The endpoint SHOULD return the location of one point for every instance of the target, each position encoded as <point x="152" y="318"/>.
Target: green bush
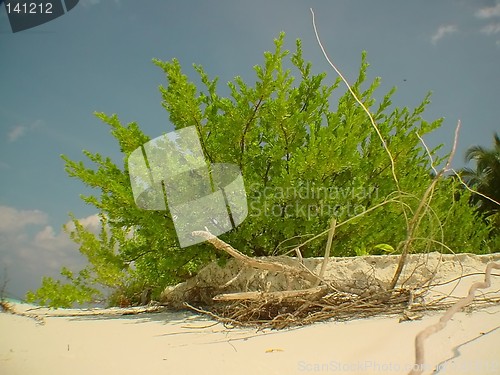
<point x="302" y="163"/>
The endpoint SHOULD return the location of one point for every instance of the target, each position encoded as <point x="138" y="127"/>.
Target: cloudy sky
<point x="97" y="57"/>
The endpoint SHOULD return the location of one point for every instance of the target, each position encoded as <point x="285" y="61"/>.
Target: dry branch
<point x="328" y="248"/>
<point x="252" y="262"/>
<point x="372" y="120"/>
<point x="419" y="340"/>
<point x="313" y="293"/>
<point x="113" y="311"/>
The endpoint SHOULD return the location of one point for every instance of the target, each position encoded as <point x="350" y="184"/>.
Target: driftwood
<point x="114" y="311"/>
<point x="39" y="313"/>
<point x="256" y="263"/>
<point x="315" y="292"/>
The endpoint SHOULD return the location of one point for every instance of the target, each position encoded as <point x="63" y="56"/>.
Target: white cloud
<point x="46" y="234"/>
<point x="92" y="222"/>
<point x="442" y="31"/>
<point x="28" y="255"/>
<point x="19" y="131"/>
<point x="489" y="12"/>
<point x="490" y="29"/>
<point x="13" y="220"/>
<point x="48" y="239"/>
<point x="16" y="132"/>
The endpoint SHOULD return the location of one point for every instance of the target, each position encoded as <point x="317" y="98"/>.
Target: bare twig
<point x="384" y="143"/>
<point x="424" y="202"/>
<point x="419" y="340"/>
<point x="327" y="250"/>
<point x="275" y="251"/>
<point x="372" y="120"/>
<point x="428" y="154"/>
<point x="388" y="200"/>
<point x="212" y="315"/>
<point x="473" y="190"/>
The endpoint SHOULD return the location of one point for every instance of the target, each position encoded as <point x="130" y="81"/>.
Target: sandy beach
<point x="63" y="342"/>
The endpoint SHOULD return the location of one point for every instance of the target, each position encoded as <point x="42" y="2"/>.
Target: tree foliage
<point x="302" y="162"/>
<point x="486" y="175"/>
<point x="485" y="179"/>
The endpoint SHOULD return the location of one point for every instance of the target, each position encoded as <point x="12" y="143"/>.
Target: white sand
<point x="183" y="343"/>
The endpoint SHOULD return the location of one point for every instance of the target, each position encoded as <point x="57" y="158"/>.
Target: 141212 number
<point x="31" y="8"/>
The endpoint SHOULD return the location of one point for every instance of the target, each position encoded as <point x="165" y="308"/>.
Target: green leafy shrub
<point x="302" y="163"/>
<point x="54" y="293"/>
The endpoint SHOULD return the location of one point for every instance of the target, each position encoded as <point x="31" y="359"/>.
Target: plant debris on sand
<point x="280" y="292"/>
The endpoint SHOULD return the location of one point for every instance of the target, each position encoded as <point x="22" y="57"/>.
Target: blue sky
<point x="98" y="56"/>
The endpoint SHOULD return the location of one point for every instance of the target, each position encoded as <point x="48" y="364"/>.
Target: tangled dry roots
<point x="283" y="312"/>
<point x="280" y="292"/>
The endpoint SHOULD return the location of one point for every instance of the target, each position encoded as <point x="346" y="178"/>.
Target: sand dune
<point x="63" y="342"/>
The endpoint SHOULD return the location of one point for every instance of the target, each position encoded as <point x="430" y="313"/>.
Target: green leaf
<point x="385" y="247"/>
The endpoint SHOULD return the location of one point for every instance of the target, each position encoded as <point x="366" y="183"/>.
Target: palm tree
<point x="485" y="178"/>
